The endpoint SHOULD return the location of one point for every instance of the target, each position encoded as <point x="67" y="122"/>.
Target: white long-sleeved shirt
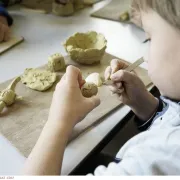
<point x="153" y="152"/>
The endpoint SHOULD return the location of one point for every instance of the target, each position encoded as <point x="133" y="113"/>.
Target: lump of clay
<point x="89" y="2"/>
<point x="124" y="16"/>
<point x="38" y="79"/>
<point x="89" y="89"/>
<point x="78" y="4"/>
<point x="8" y="95"/>
<point x="56" y="62"/>
<point x="86" y="48"/>
<point x="95" y="78"/>
<point x="63" y="9"/>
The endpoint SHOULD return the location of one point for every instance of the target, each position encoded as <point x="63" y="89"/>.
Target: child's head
<point x="161" y="22"/>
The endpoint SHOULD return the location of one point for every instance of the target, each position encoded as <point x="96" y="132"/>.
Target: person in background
<point x="6" y="20"/>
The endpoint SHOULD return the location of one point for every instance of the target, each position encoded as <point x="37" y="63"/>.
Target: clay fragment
<point x="86" y="48"/>
<point x="38" y="79"/>
<point x="56" y="62"/>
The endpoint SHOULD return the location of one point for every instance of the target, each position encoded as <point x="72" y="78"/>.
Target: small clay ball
<point x="89" y="89"/>
<point x="124" y="16"/>
<point x="56" y="62"/>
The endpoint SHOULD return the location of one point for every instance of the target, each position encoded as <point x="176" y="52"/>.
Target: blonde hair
<point x="167" y="9"/>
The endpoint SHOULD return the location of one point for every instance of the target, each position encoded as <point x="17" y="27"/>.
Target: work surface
<point x="44" y="35"/>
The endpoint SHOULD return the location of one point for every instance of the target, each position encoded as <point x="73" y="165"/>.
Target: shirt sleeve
<point x="157" y="158"/>
<point x="143" y="126"/>
<point x="3" y="12"/>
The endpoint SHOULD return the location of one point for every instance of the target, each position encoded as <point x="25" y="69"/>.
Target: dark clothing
<point x="3" y="11"/>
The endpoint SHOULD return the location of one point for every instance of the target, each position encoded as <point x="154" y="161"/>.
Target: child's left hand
<point x="68" y="105"/>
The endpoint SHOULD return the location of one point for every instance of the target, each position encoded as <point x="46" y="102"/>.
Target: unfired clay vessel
<point x="86" y="48"/>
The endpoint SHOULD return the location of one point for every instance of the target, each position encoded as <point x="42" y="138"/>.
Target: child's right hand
<point x="4" y="29"/>
<point x="131" y="90"/>
<point x="68" y="105"/>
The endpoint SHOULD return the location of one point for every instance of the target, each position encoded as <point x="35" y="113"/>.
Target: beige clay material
<point x="88" y="2"/>
<point x="2" y="106"/>
<point x="95" y="78"/>
<point x="56" y="63"/>
<point x="78" y="4"/>
<point x="89" y="89"/>
<point x="124" y="17"/>
<point x="63" y="10"/>
<point x="86" y="48"/>
<point x="8" y="95"/>
<point x="38" y="79"/>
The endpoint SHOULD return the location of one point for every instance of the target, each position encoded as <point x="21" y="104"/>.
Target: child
<point x="155" y="151"/>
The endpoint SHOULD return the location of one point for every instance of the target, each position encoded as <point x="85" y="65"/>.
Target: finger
<point x="134" y="72"/>
<point x="118" y="85"/>
<point x="81" y="80"/>
<point x="72" y="75"/>
<point x="6" y="34"/>
<point x="116" y="65"/>
<point x="114" y="89"/>
<point x="121" y="98"/>
<point x="63" y="78"/>
<point x="122" y="75"/>
<point x="1" y="33"/>
<point x="120" y="91"/>
<point x="93" y="102"/>
<point x="82" y="83"/>
<point x="107" y="73"/>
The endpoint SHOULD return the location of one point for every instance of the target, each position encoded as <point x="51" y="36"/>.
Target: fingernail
<point x="118" y="85"/>
<point x="114" y="77"/>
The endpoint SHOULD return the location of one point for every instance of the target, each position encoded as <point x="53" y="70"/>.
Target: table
<point x="44" y="35"/>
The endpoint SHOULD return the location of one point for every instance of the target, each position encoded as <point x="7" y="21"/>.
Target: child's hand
<point x="4" y="29"/>
<point x="126" y="84"/>
<point x="68" y="105"/>
<point x="131" y="90"/>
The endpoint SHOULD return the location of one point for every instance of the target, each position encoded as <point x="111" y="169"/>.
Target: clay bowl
<point x="86" y="48"/>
